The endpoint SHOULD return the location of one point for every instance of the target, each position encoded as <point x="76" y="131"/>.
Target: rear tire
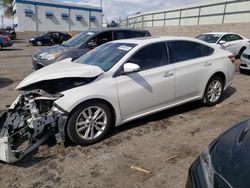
<point x="214" y="91"/>
<point x="89" y="123"/>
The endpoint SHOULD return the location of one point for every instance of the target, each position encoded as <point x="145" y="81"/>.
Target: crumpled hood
<point x="61" y="69"/>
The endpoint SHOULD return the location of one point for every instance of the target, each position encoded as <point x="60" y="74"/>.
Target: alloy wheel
<point x="91" y="122"/>
<point x="214" y="91"/>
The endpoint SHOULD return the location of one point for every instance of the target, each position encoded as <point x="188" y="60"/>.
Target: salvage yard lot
<point x="164" y="144"/>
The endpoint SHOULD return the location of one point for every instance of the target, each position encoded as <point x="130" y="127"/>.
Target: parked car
<point x="225" y="162"/>
<point x="94" y="92"/>
<point x="50" y="38"/>
<point x="232" y="42"/>
<point x="245" y="60"/>
<point x="5" y="41"/>
<point x="81" y="44"/>
<point x="10" y="33"/>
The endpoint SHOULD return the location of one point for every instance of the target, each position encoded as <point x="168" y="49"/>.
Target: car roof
<point x="148" y="40"/>
<point x="101" y="29"/>
<point x="219" y="33"/>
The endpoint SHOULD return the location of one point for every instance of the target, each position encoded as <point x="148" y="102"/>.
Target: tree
<point x="7" y="5"/>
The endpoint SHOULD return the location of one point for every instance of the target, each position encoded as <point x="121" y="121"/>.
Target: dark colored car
<point x="81" y="44"/>
<point x="225" y="163"/>
<point x="9" y="33"/>
<point x="5" y="41"/>
<point x="50" y="38"/>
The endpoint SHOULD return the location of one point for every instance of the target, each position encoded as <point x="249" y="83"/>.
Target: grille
<point x="246" y="56"/>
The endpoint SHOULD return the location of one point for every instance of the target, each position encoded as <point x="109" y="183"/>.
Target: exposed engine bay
<point x="34" y="117"/>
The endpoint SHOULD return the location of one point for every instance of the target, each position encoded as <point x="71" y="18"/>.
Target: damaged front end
<point x="30" y="120"/>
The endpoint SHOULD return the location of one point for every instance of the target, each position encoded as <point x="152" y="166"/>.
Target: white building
<point x="44" y="15"/>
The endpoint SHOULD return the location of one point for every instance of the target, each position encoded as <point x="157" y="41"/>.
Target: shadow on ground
<point x="4" y="82"/>
<point x="11" y="49"/>
<point x="245" y="72"/>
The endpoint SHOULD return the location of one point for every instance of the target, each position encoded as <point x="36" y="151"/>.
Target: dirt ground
<point x="147" y="143"/>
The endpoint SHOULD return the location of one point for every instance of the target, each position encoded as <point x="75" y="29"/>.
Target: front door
<point x="150" y="88"/>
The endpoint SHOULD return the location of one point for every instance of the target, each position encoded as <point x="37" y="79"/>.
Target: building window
<point x="28" y="12"/>
<point x="78" y="17"/>
<point x="49" y="14"/>
<point x="14" y="12"/>
<point x="65" y="16"/>
<point x="92" y="18"/>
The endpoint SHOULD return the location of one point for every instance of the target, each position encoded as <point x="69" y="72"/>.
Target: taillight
<point x="232" y="58"/>
<point x="6" y="38"/>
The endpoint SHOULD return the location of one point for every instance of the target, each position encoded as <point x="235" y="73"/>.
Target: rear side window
<point x="122" y="35"/>
<point x="137" y="34"/>
<point x="152" y="56"/>
<point x="234" y="37"/>
<point x="206" y="50"/>
<point x="184" y="50"/>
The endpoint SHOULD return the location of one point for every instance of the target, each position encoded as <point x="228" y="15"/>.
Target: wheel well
<point x="221" y="75"/>
<point x="102" y="101"/>
<point x="241" y="51"/>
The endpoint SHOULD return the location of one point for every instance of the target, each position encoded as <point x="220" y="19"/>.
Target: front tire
<point x="39" y="43"/>
<point x="214" y="91"/>
<point x="89" y="123"/>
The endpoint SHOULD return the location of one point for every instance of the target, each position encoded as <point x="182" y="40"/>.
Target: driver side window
<point x="152" y="56"/>
<point x="103" y="38"/>
<point x="225" y="38"/>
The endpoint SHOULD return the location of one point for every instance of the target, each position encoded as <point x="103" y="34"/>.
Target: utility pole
<point x="101" y="4"/>
<point x="2" y="21"/>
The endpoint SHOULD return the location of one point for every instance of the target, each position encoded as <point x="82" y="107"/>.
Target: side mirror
<point x="222" y="42"/>
<point x="130" y="68"/>
<point x="92" y="45"/>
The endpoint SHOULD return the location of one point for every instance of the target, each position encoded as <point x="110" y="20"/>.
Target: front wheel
<point x="39" y="43"/>
<point x="89" y="123"/>
<point x="214" y="91"/>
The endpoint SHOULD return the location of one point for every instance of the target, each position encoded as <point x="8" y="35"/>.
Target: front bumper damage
<point x="30" y="121"/>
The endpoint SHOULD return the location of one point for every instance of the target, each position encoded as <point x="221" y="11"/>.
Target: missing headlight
<point x="44" y="105"/>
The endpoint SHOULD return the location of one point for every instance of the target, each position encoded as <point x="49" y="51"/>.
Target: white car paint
<point x="60" y="68"/>
<point x="245" y="60"/>
<point x="232" y="46"/>
<point x="140" y="93"/>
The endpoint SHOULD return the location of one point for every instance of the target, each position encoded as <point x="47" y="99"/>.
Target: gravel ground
<point x="147" y="143"/>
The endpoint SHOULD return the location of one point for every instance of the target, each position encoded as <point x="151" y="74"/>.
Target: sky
<point x="115" y="9"/>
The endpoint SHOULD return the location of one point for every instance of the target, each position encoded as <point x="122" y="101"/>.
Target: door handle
<point x="168" y="74"/>
<point x="207" y="64"/>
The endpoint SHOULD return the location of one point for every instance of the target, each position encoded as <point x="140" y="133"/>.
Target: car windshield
<point x="79" y="39"/>
<point x="107" y="55"/>
<point x="210" y="38"/>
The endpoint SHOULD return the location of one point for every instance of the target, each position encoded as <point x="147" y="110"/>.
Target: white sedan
<point x="113" y="84"/>
<point x="245" y="60"/>
<point x="232" y="42"/>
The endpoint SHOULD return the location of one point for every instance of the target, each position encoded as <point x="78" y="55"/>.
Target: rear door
<point x="192" y="68"/>
<point x="150" y="88"/>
